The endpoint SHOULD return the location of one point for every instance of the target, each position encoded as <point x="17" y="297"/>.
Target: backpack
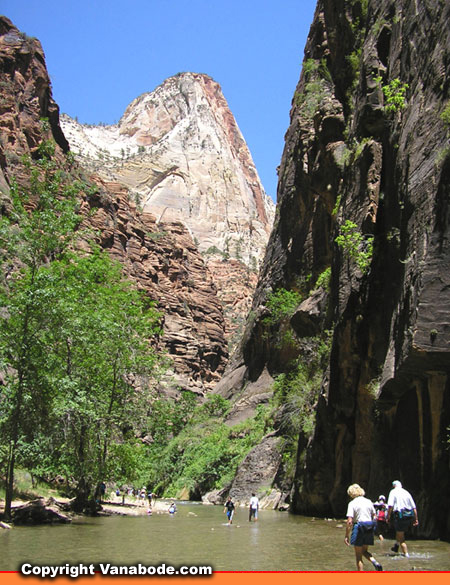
<point x="381" y="515"/>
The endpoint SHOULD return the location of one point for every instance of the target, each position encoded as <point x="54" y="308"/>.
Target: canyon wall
<point x="180" y="153"/>
<point x="361" y="236"/>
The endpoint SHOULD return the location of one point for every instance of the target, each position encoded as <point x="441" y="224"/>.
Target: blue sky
<point x="101" y="54"/>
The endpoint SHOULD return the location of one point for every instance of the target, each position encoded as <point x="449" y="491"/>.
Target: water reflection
<point x="200" y="535"/>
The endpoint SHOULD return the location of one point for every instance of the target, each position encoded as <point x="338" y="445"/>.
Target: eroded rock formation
<point x="181" y="154"/>
<point x="164" y="261"/>
<point x="25" y="100"/>
<point x="367" y="161"/>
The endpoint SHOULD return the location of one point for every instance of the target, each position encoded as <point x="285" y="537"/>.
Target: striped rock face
<point x="181" y="154"/>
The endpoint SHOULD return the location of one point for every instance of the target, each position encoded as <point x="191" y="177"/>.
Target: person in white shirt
<point x="253" y="508"/>
<point x="360" y="524"/>
<point x="402" y="506"/>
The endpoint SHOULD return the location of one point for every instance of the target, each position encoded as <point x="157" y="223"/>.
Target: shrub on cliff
<point x="282" y="304"/>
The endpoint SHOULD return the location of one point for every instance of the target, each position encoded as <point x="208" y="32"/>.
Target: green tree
<point x="282" y="304"/>
<point x="76" y="347"/>
<point x="106" y="365"/>
<point x="39" y="227"/>
<point x="394" y="94"/>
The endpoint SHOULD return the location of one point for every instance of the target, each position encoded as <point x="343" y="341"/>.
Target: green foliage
<point x="355" y="245"/>
<point x="316" y="75"/>
<point x="442" y="155"/>
<point x="205" y="453"/>
<point x="39" y="227"/>
<point x="354" y="60"/>
<point x="445" y="115"/>
<point x="101" y="349"/>
<point x="74" y="339"/>
<point x="296" y="393"/>
<point x="323" y="281"/>
<point x="282" y="304"/>
<point x="168" y="417"/>
<point x="311" y="98"/>
<point x="359" y="147"/>
<point x="337" y="205"/>
<point x="364" y="8"/>
<point x="378" y="26"/>
<point x="310" y="66"/>
<point x="394" y="94"/>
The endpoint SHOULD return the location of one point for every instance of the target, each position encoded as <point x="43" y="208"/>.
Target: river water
<point x="199" y="535"/>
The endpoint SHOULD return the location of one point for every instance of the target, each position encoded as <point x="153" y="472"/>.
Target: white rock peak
<point x="181" y="154"/>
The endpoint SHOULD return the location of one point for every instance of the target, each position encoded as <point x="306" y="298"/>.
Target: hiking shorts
<point x="402" y="523"/>
<point x="381" y="528"/>
<point x="362" y="533"/>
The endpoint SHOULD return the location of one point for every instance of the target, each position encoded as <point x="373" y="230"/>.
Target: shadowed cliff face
<point x="363" y="191"/>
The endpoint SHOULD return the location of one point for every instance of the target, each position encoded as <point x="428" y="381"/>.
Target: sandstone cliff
<point x="179" y="151"/>
<point x="361" y="236"/>
<point x="25" y="99"/>
<point x="161" y="257"/>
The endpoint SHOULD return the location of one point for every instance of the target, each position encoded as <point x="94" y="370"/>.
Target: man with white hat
<point x="402" y="505"/>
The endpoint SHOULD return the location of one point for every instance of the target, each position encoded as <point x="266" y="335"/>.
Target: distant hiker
<point x="102" y="490"/>
<point x="142" y="496"/>
<point x="382" y="523"/>
<point x="229" y="509"/>
<point x="402" y="506"/>
<point x="172" y="508"/>
<point x="253" y="508"/>
<point x="360" y="523"/>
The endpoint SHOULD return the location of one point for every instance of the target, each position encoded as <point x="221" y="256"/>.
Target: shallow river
<point x="198" y="535"/>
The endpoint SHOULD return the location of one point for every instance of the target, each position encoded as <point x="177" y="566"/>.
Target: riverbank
<point x="108" y="508"/>
<point x="130" y="508"/>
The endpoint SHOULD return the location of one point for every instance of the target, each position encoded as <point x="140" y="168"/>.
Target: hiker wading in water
<point x="403" y="508"/>
<point x="360" y="523"/>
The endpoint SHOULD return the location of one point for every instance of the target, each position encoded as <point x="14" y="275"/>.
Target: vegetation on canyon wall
<point x="202" y="454"/>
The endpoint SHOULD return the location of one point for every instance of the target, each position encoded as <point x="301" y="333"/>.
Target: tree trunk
<point x="9" y="488"/>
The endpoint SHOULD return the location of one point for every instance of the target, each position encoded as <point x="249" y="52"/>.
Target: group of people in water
<point x="365" y="519"/>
